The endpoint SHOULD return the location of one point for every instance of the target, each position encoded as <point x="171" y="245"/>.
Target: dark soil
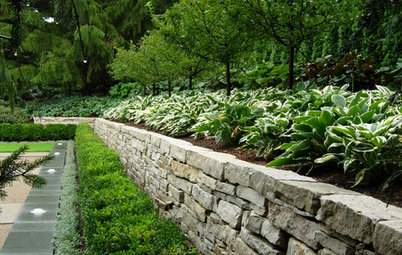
<point x="335" y="176"/>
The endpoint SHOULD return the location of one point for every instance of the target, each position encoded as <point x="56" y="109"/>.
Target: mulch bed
<point x="335" y="176"/>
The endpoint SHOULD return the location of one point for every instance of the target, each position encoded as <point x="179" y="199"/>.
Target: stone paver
<point x="32" y="230"/>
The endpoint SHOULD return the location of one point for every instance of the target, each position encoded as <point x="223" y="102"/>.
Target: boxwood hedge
<point x="117" y="217"/>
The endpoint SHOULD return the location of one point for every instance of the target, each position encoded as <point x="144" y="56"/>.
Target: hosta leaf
<point x="367" y="116"/>
<point x="301" y="146"/>
<point x="327" y="117"/>
<point x="302" y="127"/>
<point x="345" y="130"/>
<point x="326" y="158"/>
<point x="280" y="161"/>
<point x="354" y="110"/>
<point x="300" y="118"/>
<point x="338" y="100"/>
<point x="348" y="163"/>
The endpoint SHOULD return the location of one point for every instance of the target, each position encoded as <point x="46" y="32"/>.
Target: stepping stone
<point x="28" y="242"/>
<point x="28" y="213"/>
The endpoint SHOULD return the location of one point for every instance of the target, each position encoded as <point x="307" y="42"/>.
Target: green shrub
<point x="7" y="116"/>
<point x="117" y="217"/>
<point x="36" y="132"/>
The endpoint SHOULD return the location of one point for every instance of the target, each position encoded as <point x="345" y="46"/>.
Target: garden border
<point x="226" y="205"/>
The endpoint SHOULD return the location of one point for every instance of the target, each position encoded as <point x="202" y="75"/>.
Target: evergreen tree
<point x="12" y="168"/>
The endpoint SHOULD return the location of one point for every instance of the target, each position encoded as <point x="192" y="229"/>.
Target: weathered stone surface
<point x="188" y="220"/>
<point x="298" y="248"/>
<point x="296" y="225"/>
<point x="230" y="213"/>
<point x="361" y="212"/>
<point x="254" y="223"/>
<point x="306" y="195"/>
<point x="198" y="211"/>
<point x="214" y="231"/>
<point x="182" y="184"/>
<point x="258" y="244"/>
<point x="226" y="188"/>
<point x="388" y="237"/>
<point x="204" y="198"/>
<point x="239" y="247"/>
<point x="238" y="172"/>
<point x="210" y="162"/>
<point x="333" y="244"/>
<point x="178" y="149"/>
<point x="263" y="179"/>
<point x="207" y="180"/>
<point x="251" y="195"/>
<point x="176" y="194"/>
<point x="185" y="171"/>
<point x="325" y="251"/>
<point x="273" y="234"/>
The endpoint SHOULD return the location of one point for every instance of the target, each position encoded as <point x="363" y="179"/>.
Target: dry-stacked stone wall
<point x="228" y="206"/>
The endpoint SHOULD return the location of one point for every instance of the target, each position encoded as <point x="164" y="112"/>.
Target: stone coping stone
<point x="362" y="212"/>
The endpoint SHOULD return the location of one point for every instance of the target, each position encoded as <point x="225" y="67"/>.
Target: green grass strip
<point x="33" y="147"/>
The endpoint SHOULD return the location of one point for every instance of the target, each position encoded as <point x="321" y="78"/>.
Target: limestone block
<point x="204" y="198"/>
<point x="238" y="172"/>
<point x="258" y="244"/>
<point x="254" y="223"/>
<point x="226" y="188"/>
<point x="155" y="139"/>
<point x="207" y="180"/>
<point x="230" y="213"/>
<point x="210" y="162"/>
<point x="306" y="195"/>
<point x="294" y="224"/>
<point x="239" y="247"/>
<point x="325" y="251"/>
<point x="362" y="213"/>
<point x="195" y="208"/>
<point x="165" y="162"/>
<point x="178" y="149"/>
<point x="251" y="195"/>
<point x="140" y="134"/>
<point x="388" y="237"/>
<point x="182" y="184"/>
<point x="176" y="194"/>
<point x="298" y="248"/>
<point x="165" y="146"/>
<point x="333" y="244"/>
<point x="263" y="179"/>
<point x="195" y="240"/>
<point x="273" y="234"/>
<point x="185" y="171"/>
<point x="189" y="220"/>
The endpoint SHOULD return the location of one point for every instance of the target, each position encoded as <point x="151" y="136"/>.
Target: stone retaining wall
<point x="228" y="206"/>
<point x="65" y="120"/>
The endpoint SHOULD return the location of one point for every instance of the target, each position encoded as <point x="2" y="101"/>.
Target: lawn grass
<point x="33" y="147"/>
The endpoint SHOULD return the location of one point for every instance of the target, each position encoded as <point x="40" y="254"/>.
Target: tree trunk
<point x="291" y="63"/>
<point x="170" y="88"/>
<point x="154" y="89"/>
<point x="228" y="88"/>
<point x="190" y="82"/>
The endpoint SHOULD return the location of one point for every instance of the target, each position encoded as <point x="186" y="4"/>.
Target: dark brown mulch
<point x="335" y="177"/>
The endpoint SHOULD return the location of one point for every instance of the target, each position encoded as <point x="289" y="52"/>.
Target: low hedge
<point x="36" y="132"/>
<point x="118" y="218"/>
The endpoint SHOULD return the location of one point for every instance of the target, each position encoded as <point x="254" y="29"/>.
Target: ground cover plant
<point x="307" y="126"/>
<point x="75" y="106"/>
<point x="36" y="132"/>
<point x="32" y="147"/>
<point x="66" y="236"/>
<point x="117" y="218"/>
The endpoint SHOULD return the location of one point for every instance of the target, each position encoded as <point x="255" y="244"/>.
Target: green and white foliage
<point x="66" y="238"/>
<point x="305" y="126"/>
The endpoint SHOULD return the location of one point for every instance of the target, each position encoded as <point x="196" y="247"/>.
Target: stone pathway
<point x="32" y="230"/>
